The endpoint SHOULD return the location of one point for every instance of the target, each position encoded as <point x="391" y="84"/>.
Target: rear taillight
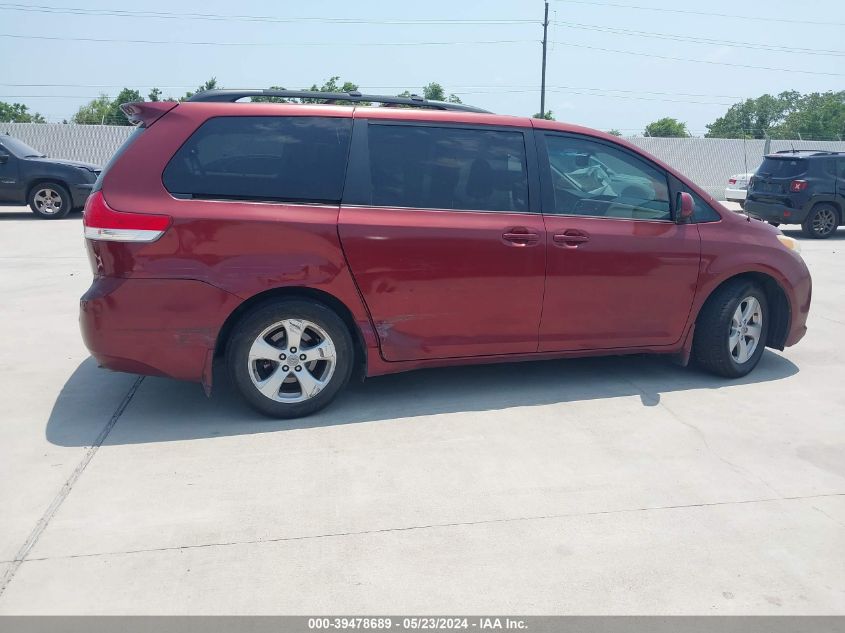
<point x="104" y="223"/>
<point x="732" y="181"/>
<point x="797" y="185"/>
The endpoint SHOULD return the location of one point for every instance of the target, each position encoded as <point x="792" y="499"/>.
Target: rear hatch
<point x="774" y="177"/>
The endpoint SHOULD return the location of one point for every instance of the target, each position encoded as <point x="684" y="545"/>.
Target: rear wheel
<point x="50" y="200"/>
<point x="821" y="222"/>
<point x="290" y="358"/>
<point x="731" y="330"/>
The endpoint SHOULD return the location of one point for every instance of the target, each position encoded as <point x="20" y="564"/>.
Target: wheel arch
<point x="40" y="180"/>
<point x="832" y="201"/>
<point x="776" y="297"/>
<point x="302" y="292"/>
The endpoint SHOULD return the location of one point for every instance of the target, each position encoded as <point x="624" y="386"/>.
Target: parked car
<point x="804" y="187"/>
<point x="737" y="188"/>
<point x="50" y="186"/>
<point x="304" y="244"/>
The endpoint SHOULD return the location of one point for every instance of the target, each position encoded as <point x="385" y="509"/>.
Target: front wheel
<point x="731" y="330"/>
<point x="290" y="358"/>
<point x="821" y="222"/>
<point x="50" y="200"/>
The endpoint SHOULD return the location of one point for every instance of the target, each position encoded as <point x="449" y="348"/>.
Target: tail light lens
<point x="101" y="222"/>
<point x="797" y="185"/>
<point x="731" y="181"/>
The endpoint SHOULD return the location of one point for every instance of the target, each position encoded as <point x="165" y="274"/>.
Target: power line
<point x="125" y="13"/>
<point x="394" y="87"/>
<point x="270" y="44"/>
<point x="704" y="13"/>
<point x="699" y="40"/>
<point x="698" y="61"/>
<point x="589" y="92"/>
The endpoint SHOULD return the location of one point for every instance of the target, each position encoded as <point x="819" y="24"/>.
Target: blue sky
<point x="621" y="86"/>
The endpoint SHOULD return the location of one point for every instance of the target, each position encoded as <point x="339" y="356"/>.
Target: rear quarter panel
<point x="243" y="248"/>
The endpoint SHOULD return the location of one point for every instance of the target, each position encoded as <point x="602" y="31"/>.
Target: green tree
<point x="154" y="95"/>
<point x="817" y="116"/>
<point x="548" y="115"/>
<point x="211" y="84"/>
<point x="104" y="110"/>
<point x="435" y="92"/>
<point x="18" y="113"/>
<point x="754" y="118"/>
<point x="614" y="132"/>
<point x="331" y="85"/>
<point x="667" y="127"/>
<point x="94" y="112"/>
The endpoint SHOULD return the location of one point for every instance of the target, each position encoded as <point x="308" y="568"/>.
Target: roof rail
<point x="808" y="151"/>
<point x="231" y="96"/>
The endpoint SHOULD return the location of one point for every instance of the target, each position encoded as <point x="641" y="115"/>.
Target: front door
<point x="442" y="240"/>
<point x="9" y="185"/>
<point x="621" y="272"/>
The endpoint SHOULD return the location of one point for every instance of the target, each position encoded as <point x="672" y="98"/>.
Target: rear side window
<point x="782" y="167"/>
<point x="430" y="167"/>
<point x="294" y="159"/>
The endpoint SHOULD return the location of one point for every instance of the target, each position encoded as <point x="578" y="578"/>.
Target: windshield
<point x="19" y="148"/>
<point x="782" y="167"/>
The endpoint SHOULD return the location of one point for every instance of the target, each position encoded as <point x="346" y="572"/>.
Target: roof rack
<point x="808" y="151"/>
<point x="332" y="97"/>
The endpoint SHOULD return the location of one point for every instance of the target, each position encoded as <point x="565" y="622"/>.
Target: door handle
<point x="520" y="237"/>
<point x="570" y="238"/>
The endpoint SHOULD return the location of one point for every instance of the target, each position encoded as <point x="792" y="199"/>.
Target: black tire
<point x="821" y="222"/>
<point x="713" y="329"/>
<point x="241" y="369"/>
<point x="49" y="200"/>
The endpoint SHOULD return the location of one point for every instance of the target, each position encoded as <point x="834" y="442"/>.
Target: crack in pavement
<point x="410" y="528"/>
<point x="54" y="506"/>
<point x="740" y="470"/>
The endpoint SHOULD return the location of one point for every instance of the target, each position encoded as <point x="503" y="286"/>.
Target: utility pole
<point x="543" y="80"/>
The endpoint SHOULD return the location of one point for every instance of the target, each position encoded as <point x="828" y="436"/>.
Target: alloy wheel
<point x="746" y="330"/>
<point x="292" y="360"/>
<point x="48" y="201"/>
<point x="824" y="221"/>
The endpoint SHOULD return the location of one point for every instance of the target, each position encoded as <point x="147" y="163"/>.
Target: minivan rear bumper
<point x="158" y="327"/>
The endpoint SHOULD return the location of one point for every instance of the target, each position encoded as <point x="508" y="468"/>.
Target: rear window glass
<point x="782" y="167"/>
<point x="295" y="159"/>
<point x="447" y="168"/>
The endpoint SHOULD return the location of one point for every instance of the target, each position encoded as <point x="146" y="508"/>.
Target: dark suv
<point x="50" y="186"/>
<point x="800" y="187"/>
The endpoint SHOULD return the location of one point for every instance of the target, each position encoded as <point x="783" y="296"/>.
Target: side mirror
<point x="686" y="206"/>
<point x="4" y="158"/>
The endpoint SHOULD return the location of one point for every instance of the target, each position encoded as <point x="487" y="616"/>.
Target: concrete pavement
<point x="622" y="485"/>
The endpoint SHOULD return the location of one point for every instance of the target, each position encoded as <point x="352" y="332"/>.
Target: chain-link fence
<point x="709" y="162"/>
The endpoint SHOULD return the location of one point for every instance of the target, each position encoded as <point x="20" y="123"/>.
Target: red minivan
<point x="307" y="242"/>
